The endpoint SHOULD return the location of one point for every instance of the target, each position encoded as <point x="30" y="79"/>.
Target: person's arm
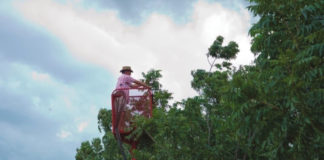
<point x="140" y="83"/>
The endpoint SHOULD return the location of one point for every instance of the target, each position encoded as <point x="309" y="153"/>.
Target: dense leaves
<point x="270" y="110"/>
<point x="161" y="96"/>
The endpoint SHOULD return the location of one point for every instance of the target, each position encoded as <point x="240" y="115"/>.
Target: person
<point x="125" y="81"/>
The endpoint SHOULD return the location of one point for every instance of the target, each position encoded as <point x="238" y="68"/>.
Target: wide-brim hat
<point x="126" y="68"/>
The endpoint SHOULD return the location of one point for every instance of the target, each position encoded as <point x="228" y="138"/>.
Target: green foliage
<point x="104" y="120"/>
<point x="107" y="148"/>
<point x="90" y="151"/>
<point x="219" y="51"/>
<point x="161" y="96"/>
<point x="270" y="110"/>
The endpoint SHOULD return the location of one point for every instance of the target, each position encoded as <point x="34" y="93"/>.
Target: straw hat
<point x="126" y="68"/>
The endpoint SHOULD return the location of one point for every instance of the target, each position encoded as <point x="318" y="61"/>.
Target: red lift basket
<point x="126" y="104"/>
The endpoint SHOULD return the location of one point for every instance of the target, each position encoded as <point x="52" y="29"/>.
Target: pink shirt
<point x="124" y="81"/>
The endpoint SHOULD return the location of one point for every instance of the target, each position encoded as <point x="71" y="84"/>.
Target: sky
<point x="59" y="61"/>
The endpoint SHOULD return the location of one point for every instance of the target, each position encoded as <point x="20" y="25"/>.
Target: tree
<point x="287" y="80"/>
<point x="161" y="96"/>
<point x="106" y="148"/>
<point x="270" y="110"/>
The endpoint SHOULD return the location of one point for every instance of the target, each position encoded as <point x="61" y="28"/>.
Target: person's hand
<point x="147" y="86"/>
<point x="141" y="88"/>
<point x="134" y="86"/>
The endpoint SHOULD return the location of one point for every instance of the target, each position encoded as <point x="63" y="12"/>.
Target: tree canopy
<point x="272" y="109"/>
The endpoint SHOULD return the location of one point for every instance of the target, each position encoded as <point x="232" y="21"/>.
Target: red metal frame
<point x="147" y="96"/>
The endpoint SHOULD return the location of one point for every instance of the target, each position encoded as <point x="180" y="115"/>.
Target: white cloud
<point x="67" y="101"/>
<point x="14" y="84"/>
<point x="82" y="126"/>
<point x="40" y="76"/>
<point x="102" y="38"/>
<point x="64" y="134"/>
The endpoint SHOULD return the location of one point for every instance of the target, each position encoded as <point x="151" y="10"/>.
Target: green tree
<point x="106" y="148"/>
<point x="161" y="96"/>
<point x="270" y="110"/>
<point x="283" y="93"/>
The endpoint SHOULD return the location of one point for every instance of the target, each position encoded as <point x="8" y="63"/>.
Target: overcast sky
<point x="59" y="60"/>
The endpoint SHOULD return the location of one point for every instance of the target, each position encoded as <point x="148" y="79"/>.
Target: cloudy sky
<point x="59" y="60"/>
